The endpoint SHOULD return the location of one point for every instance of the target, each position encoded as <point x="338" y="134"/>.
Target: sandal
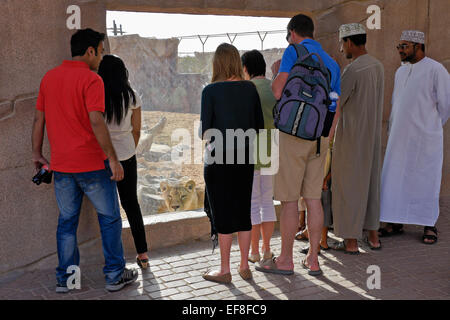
<point x="301" y="235"/>
<point x="245" y="274"/>
<point x="269" y="266"/>
<point x="314" y="273"/>
<point x="396" y="229"/>
<point x="224" y="278"/>
<point x="340" y="246"/>
<point x="142" y="263"/>
<point x="371" y="246"/>
<point x="254" y="258"/>
<point x="432" y="237"/>
<point x="268" y="255"/>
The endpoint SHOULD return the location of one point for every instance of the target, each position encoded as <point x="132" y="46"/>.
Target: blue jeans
<point x="102" y="192"/>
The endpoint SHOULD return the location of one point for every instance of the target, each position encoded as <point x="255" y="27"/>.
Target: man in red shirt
<point x="70" y="106"/>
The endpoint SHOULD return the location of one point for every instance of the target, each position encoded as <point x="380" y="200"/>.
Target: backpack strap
<point x="318" y="147"/>
<point x="300" y="50"/>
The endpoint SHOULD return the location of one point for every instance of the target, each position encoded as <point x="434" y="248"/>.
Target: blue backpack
<point x="302" y="110"/>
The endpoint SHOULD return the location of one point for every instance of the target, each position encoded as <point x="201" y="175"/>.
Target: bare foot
<point x="351" y="245"/>
<point x="373" y="239"/>
<point x="312" y="263"/>
<point x="284" y="264"/>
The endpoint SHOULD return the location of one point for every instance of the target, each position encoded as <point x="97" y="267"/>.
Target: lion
<point x="183" y="196"/>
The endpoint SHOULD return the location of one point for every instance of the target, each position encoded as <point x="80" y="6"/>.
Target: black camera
<point x="44" y="175"/>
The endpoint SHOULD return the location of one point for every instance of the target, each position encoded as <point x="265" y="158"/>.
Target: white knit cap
<point x="351" y="29"/>
<point x="413" y="36"/>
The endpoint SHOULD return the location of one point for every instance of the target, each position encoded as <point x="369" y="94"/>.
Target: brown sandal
<point x="225" y="278"/>
<point x="254" y="258"/>
<point x="245" y="274"/>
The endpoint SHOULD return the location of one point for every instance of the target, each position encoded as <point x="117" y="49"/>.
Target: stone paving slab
<point x="409" y="270"/>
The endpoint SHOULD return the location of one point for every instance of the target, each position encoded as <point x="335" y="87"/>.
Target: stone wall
<point x="152" y="65"/>
<point x="34" y="39"/>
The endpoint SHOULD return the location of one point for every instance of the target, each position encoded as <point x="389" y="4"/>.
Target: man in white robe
<point x="412" y="169"/>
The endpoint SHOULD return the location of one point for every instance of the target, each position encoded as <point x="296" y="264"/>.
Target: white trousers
<point x="262" y="209"/>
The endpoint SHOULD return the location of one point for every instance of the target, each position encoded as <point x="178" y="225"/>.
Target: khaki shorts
<point x="300" y="172"/>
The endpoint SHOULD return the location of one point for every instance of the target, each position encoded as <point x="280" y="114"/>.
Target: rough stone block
<point x="6" y="110"/>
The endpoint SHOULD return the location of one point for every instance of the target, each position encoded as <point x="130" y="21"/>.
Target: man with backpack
<point x="302" y="160"/>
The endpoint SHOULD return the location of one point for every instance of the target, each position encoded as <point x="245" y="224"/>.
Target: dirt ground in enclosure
<point x="166" y="168"/>
<point x="177" y="121"/>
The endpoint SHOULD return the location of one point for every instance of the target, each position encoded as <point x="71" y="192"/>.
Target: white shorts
<point x="262" y="209"/>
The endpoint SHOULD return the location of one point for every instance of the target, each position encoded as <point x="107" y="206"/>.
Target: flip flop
<point x="371" y="246"/>
<point x="269" y="266"/>
<point x="314" y="273"/>
<point x="396" y="229"/>
<point x="340" y="246"/>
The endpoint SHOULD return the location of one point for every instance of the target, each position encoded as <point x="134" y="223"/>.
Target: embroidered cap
<point x="413" y="36"/>
<point x="351" y="29"/>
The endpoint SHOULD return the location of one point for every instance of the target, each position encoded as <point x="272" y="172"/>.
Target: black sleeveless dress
<point x="229" y="105"/>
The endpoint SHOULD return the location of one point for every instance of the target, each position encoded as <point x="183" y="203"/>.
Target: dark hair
<point x="83" y="39"/>
<point x="357" y="39"/>
<point x="302" y="25"/>
<point x="254" y="62"/>
<point x="423" y="47"/>
<point x="118" y="92"/>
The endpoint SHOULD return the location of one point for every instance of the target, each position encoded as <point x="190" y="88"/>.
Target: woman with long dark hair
<point x="123" y="117"/>
<point x="229" y="103"/>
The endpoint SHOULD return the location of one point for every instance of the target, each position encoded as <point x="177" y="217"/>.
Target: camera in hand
<point x="44" y="175"/>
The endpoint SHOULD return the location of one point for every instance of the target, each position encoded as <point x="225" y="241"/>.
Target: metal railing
<point x="203" y="38"/>
<point x="232" y="36"/>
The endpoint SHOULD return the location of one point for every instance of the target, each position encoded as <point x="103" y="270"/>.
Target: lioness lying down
<point x="183" y="196"/>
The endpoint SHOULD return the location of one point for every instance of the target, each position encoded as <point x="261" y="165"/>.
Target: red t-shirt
<point x="67" y="94"/>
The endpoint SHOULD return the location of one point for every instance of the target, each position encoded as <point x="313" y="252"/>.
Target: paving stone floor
<point x="409" y="270"/>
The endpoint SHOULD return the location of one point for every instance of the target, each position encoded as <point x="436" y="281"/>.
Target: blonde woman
<point x="229" y="102"/>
